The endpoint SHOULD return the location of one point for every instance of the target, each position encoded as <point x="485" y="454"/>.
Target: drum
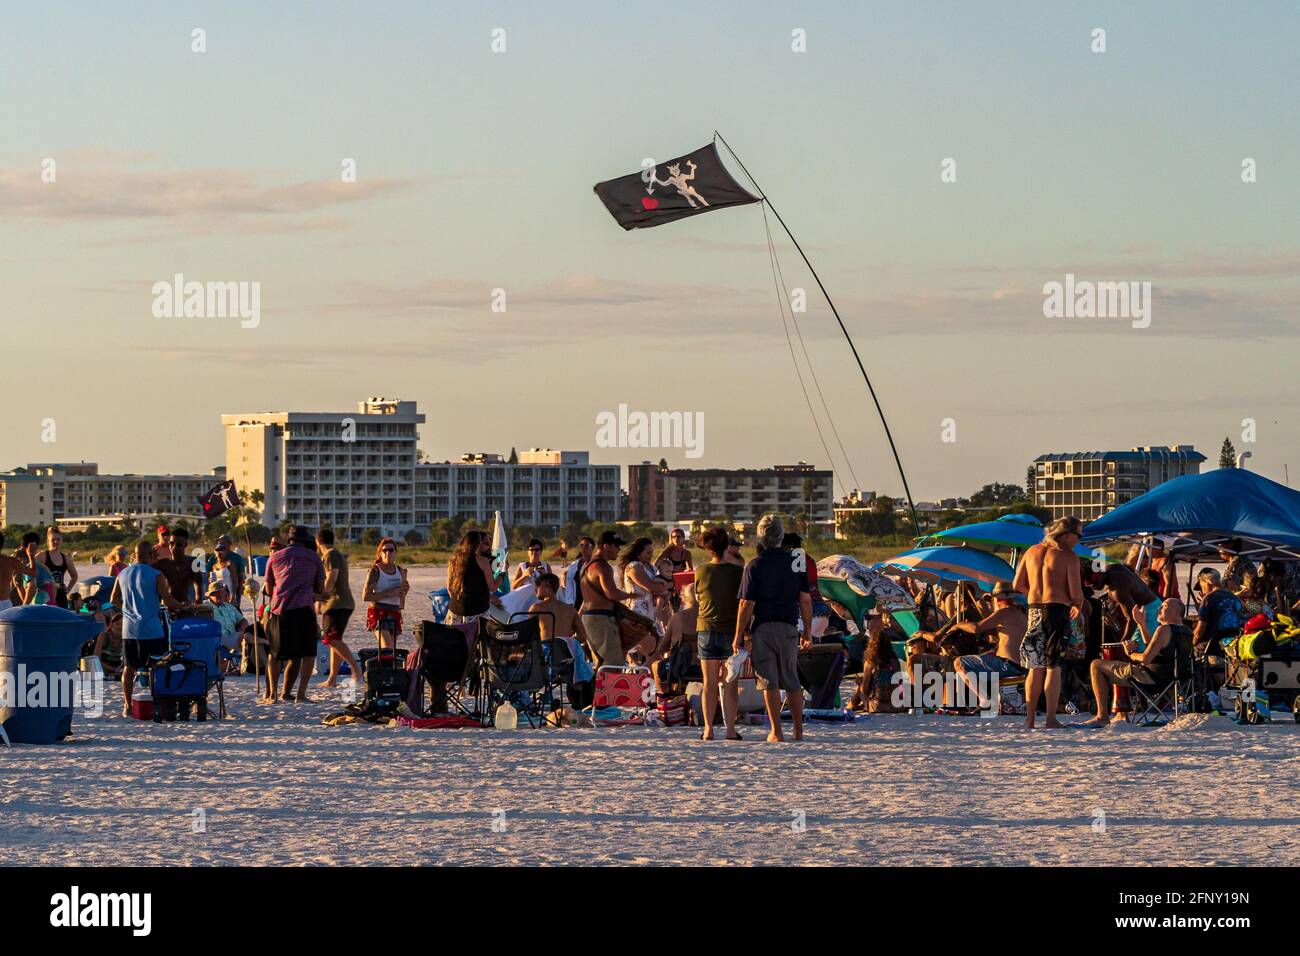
<point x="634" y="628"/>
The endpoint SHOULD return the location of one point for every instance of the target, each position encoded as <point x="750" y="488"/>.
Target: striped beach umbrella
<point x="950" y="564"/>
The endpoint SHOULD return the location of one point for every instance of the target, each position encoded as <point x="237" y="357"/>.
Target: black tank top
<point x="57" y="570"/>
<point x="473" y="596"/>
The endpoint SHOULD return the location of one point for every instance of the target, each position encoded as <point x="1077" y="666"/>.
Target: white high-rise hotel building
<point x="360" y="470"/>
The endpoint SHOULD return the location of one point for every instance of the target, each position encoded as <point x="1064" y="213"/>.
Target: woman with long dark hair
<point x="471" y="585"/>
<point x="879" y="665"/>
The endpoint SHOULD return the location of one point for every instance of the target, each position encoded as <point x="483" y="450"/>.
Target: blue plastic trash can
<point x="40" y="639"/>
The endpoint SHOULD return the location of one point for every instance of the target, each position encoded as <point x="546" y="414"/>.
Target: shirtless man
<point x="1009" y="622"/>
<point x="10" y="570"/>
<point x="599" y="594"/>
<point x="1129" y="591"/>
<point x="556" y="618"/>
<point x="1049" y="577"/>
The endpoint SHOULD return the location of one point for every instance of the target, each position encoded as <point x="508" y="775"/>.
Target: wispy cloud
<point x="103" y="186"/>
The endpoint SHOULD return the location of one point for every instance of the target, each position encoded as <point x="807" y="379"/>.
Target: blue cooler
<point x="45" y="639"/>
<point x="259" y="564"/>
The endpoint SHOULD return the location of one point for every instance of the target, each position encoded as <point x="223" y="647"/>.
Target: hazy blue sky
<point x="475" y="172"/>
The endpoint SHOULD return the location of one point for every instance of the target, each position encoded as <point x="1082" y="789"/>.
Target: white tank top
<point x="387" y="582"/>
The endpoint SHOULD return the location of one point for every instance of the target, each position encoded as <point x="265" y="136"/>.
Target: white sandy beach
<point x="278" y="788"/>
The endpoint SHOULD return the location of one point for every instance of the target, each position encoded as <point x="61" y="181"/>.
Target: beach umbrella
<point x="500" y="549"/>
<point x="1008" y="533"/>
<point x="950" y="564"/>
<point x="885" y="593"/>
<point x="858" y="589"/>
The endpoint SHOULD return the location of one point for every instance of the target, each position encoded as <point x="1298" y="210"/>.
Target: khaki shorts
<point x="604" y="640"/>
<point x="775" y="656"/>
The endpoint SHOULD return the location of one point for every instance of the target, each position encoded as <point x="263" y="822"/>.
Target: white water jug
<point x="507" y="718"/>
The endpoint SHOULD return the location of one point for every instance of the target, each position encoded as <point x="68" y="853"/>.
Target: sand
<point x="275" y="787"/>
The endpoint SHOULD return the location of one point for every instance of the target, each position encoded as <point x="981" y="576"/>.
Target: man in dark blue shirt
<point x="775" y="598"/>
<point x="1221" y="613"/>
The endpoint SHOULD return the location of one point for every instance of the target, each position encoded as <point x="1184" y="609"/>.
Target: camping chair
<point x="821" y="668"/>
<point x="515" y="667"/>
<point x="446" y="665"/>
<point x="207" y="650"/>
<point x="1149" y="702"/>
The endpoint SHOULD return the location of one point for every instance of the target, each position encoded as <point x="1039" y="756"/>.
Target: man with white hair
<point x="1221" y="614"/>
<point x="775" y="598"/>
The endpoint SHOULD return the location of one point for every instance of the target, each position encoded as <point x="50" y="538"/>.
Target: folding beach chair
<point x="1149" y="703"/>
<point x="198" y="637"/>
<point x="446" y="665"/>
<point x="515" y="668"/>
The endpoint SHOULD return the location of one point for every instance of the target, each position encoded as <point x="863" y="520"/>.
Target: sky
<point x="474" y="171"/>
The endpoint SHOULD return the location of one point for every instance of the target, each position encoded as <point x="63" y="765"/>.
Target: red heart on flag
<point x="649" y="202"/>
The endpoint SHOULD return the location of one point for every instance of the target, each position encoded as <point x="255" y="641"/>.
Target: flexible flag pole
<point x="848" y="338"/>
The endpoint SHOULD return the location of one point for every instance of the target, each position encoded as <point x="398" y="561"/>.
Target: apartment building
<point x="658" y="493"/>
<point x="360" y="470"/>
<point x="1090" y="483"/>
<point x="352" y="470"/>
<point x="544" y="488"/>
<point x="75" y="495"/>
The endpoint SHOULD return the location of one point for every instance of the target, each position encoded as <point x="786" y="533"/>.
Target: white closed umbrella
<point x="500" y="545"/>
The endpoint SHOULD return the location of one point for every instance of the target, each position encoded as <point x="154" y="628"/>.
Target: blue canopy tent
<point x="1198" y="513"/>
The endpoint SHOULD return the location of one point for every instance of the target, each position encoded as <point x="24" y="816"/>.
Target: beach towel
<point x="450" y="721"/>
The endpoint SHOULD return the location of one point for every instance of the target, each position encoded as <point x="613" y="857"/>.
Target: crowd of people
<point x="1063" y="617"/>
<point x="1115" y="626"/>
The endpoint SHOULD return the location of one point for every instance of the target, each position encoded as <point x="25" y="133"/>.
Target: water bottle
<point x="506" y="717"/>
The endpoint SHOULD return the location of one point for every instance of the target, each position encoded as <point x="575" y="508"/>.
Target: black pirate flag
<point x="219" y="500"/>
<point x="686" y="186"/>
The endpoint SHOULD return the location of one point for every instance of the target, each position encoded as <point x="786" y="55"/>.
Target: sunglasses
<point x="388" y="550"/>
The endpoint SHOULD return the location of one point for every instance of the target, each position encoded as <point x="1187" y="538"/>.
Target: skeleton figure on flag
<point x="679" y="181"/>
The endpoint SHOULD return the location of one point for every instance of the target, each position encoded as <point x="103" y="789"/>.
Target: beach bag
<point x="672" y="710"/>
<point x="623" y="687"/>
